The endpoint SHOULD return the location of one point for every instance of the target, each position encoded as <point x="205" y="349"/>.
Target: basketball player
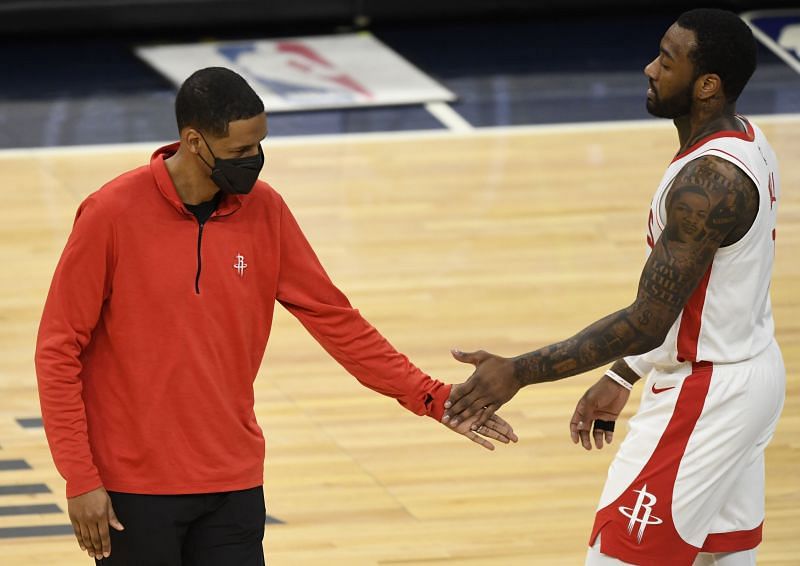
<point x="688" y="482"/>
<point x="155" y="327"/>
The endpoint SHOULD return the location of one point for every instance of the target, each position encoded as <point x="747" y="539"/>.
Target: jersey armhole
<point x="736" y="162"/>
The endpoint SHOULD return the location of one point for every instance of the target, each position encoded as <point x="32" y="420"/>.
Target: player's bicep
<point x="709" y="200"/>
<point x="711" y="203"/>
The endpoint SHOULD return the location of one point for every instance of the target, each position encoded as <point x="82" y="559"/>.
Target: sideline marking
<point x="380" y="137"/>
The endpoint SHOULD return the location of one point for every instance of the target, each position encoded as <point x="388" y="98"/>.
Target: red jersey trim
<point x="749" y="136"/>
<point x="735" y="541"/>
<point x="691" y="320"/>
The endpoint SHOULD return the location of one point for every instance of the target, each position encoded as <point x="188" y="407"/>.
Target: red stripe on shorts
<point x="638" y="526"/>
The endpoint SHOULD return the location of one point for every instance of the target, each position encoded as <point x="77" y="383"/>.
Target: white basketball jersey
<point x="728" y="318"/>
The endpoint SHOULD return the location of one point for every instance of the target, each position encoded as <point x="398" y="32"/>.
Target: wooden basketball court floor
<point x="502" y="239"/>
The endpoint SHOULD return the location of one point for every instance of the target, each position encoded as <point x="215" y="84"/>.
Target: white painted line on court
<point x="415" y="135"/>
<point x="443" y="112"/>
<point x="380" y="137"/>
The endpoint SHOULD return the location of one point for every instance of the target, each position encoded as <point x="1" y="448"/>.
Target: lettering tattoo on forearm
<point x="663" y="282"/>
<point x="711" y="203"/>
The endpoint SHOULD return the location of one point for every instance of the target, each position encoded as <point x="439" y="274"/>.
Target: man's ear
<point x="190" y="138"/>
<point x="707" y="87"/>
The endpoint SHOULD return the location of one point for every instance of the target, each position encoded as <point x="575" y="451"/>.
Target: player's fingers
<point x="573" y="428"/>
<point x="573" y="432"/>
<point x="457" y="393"/>
<point x="586" y="441"/>
<point x="488" y="432"/>
<point x="473" y="358"/>
<point x="486" y="414"/>
<point x="105" y="539"/>
<point x="499" y="424"/>
<point x="77" y="529"/>
<point x="97" y="542"/>
<point x="577" y="417"/>
<point x="609" y="436"/>
<point x="477" y="439"/>
<point x="112" y="518"/>
<point x="598" y="438"/>
<point x="465" y="408"/>
<point x="583" y="433"/>
<point x="86" y="538"/>
<point x="602" y="429"/>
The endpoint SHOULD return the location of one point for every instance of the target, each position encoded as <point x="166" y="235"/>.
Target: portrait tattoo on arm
<point x="711" y="203"/>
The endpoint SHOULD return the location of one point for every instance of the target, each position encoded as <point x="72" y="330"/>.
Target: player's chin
<point x="657" y="110"/>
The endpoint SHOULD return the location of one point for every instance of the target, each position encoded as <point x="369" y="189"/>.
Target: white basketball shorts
<point x="689" y="476"/>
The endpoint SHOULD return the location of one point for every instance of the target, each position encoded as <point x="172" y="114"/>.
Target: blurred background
<point x="70" y="74"/>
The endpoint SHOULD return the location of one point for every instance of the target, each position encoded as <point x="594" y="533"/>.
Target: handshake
<point x="471" y="408"/>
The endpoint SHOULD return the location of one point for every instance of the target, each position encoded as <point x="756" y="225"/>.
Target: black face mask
<point x="235" y="176"/>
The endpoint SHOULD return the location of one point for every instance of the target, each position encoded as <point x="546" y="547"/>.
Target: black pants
<point x="214" y="529"/>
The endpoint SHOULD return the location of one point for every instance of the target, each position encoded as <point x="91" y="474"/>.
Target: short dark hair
<point x="725" y="47"/>
<point x="688" y="189"/>
<point x="213" y="97"/>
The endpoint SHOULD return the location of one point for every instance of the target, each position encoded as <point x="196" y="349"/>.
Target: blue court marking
<point x="24" y="489"/>
<point x="6" y="465"/>
<point x="41" y="509"/>
<point x="33" y="422"/>
<point x="36" y="531"/>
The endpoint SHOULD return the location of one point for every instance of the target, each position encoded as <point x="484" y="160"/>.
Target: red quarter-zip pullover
<point x="155" y="326"/>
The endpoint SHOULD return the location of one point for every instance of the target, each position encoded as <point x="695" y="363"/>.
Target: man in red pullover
<point x="155" y="327"/>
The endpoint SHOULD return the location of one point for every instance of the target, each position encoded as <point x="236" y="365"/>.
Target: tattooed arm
<point x="711" y="203"/>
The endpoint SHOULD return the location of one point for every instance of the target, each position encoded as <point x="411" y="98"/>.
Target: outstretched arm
<point x="308" y="293"/>
<point x="679" y="261"/>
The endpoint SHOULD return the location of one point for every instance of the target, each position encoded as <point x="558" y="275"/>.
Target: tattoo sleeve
<point x="711" y="203"/>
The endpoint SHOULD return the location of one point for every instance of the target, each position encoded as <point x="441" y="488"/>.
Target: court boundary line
<point x="382" y="137"/>
<point x="448" y="116"/>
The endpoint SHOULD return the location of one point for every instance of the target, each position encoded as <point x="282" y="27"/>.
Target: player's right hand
<point x="602" y="401"/>
<point x="495" y="428"/>
<point x="91" y="514"/>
